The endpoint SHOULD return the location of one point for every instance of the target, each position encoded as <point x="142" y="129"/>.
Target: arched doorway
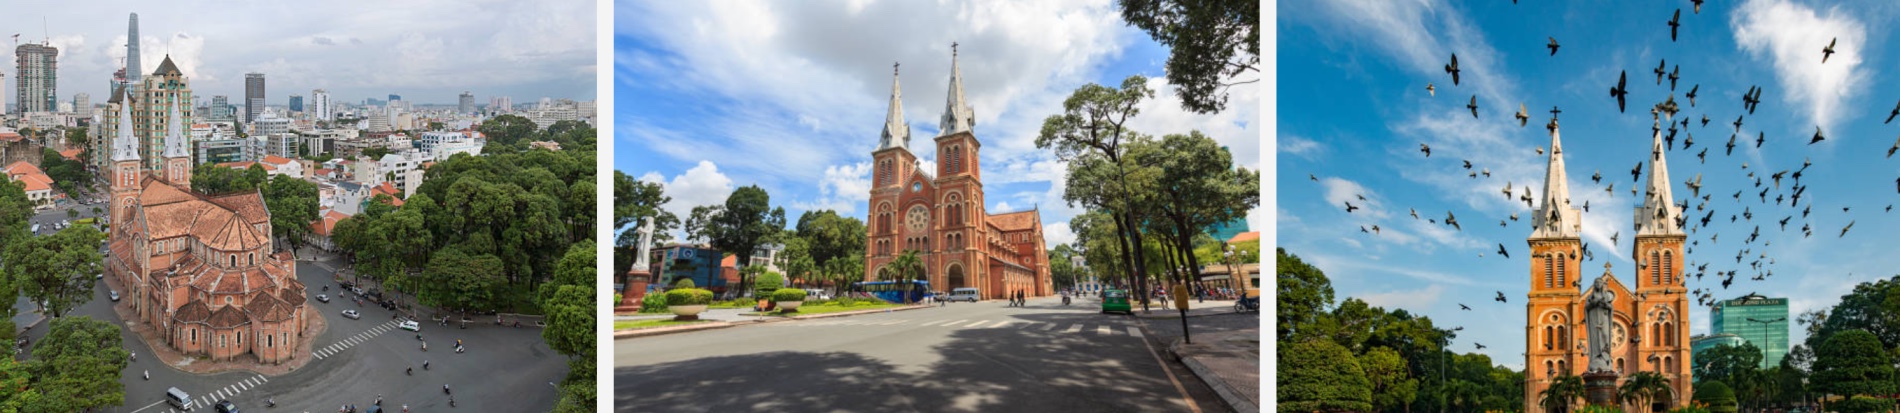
<point x="954" y="278"/>
<point x="884" y="274"/>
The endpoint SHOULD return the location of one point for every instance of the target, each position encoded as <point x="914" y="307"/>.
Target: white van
<point x="963" y="294"/>
<point x="177" y="398"/>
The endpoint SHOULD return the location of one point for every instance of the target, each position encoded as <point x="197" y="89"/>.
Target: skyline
<point x="1371" y="62"/>
<point x="796" y="107"/>
<point x="522" y="50"/>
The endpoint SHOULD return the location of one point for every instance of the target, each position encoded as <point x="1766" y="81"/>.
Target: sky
<point x="1355" y="110"/>
<point x="428" y="51"/>
<point x="711" y="96"/>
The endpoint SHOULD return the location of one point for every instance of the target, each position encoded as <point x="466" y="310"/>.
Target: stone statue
<point x="1597" y="321"/>
<point x="646" y="245"/>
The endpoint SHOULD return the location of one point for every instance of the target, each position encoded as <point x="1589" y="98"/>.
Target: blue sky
<point x="1352" y="78"/>
<point x="791" y="97"/>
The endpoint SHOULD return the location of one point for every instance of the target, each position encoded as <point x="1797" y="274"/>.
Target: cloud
<point x="1791" y="36"/>
<point x="702" y="185"/>
<point x="843" y="188"/>
<point x="1057" y="234"/>
<point x="1340" y="192"/>
<point x="1412" y="299"/>
<point x="1236" y="128"/>
<point x="1298" y="146"/>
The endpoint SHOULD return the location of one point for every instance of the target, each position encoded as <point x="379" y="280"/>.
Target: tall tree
<point x="507" y="130"/>
<point x="1210" y="43"/>
<point x="746" y="221"/>
<point x="1853" y="362"/>
<point x="216" y="179"/>
<point x="1562" y="393"/>
<point x="1093" y="124"/>
<point x="1198" y="187"/>
<point x="1321" y="376"/>
<point x="1304" y="293"/>
<point x="1728" y="363"/>
<point x="905" y="267"/>
<point x="57" y="269"/>
<point x="635" y="200"/>
<point x="77" y="364"/>
<point x="831" y="236"/>
<point x="1392" y="386"/>
<point x="293" y="206"/>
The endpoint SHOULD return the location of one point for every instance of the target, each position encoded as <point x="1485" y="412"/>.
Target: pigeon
<point x="1540" y="150"/>
<point x="1480" y="345"/>
<point x="1761" y="137"/>
<point x="1738" y="122"/>
<point x="1850" y="225"/>
<point x="1688" y="140"/>
<point x="1362" y="228"/>
<point x="1522" y="118"/>
<point x="1553" y="46"/>
<point x="1675" y="23"/>
<point x="1636" y="174"/>
<point x="1500" y="297"/>
<point x="1375" y="229"/>
<point x="1431" y="90"/>
<point x="1731" y="145"/>
<point x="1427" y="149"/>
<point x="1817" y="136"/>
<point x="1673" y="75"/>
<point x="1453" y="69"/>
<point x="1705" y="117"/>
<point x="1698" y="5"/>
<point x="1610" y="189"/>
<point x="1777" y="177"/>
<point x="1467" y="164"/>
<point x="1695" y="185"/>
<point x="1349" y="207"/>
<point x="1829" y="50"/>
<point x="1501" y="251"/>
<point x="1784" y="222"/>
<point x="1507" y="190"/>
<point x="1586" y="205"/>
<point x="1473" y="106"/>
<point x="1598" y="176"/>
<point x="1312" y="177"/>
<point x="1514" y="215"/>
<point x="1462" y="306"/>
<point x="1452" y="221"/>
<point x="1692" y="89"/>
<point x="1662" y="70"/>
<point x="1485" y="171"/>
<point x="1619" y="92"/>
<point x="1896" y="147"/>
<point x="1896" y="112"/>
<point x="1752" y="100"/>
<point x="1414" y="213"/>
<point x="1613" y="237"/>
<point x="1703" y="156"/>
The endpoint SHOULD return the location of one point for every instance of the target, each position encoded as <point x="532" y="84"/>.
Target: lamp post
<point x="1764" y="343"/>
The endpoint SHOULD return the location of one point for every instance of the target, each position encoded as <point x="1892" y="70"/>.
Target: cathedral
<point x="940" y="214"/>
<point x="199" y="269"/>
<point x="1649" y="331"/>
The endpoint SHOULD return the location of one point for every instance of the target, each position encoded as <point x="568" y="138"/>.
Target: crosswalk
<point x="205" y="400"/>
<point x="1102" y="329"/>
<point x="345" y="344"/>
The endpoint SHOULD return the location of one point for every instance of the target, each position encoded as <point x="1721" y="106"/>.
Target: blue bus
<point x="893" y="291"/>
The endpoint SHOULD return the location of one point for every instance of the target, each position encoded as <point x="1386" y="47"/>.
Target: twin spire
<point x="1657" y="216"/>
<point x="175" y="135"/>
<point x="957" y="117"/>
<point x="126" y="146"/>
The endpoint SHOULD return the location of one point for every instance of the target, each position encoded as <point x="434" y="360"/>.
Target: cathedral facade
<point x="1649" y="329"/>
<point x="940" y="213"/>
<point x="199" y="269"/>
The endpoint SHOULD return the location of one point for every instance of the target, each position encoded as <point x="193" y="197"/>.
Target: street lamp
<point x="1764" y="340"/>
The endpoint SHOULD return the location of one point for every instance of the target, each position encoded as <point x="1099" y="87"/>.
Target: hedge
<point x="688" y="296"/>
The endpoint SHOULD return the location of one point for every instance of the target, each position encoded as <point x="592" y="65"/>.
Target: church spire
<point x="896" y="133"/>
<point x="174" y="134"/>
<point x="957" y="115"/>
<point x="126" y="146"/>
<point x="1556" y="218"/>
<point x="1658" y="214"/>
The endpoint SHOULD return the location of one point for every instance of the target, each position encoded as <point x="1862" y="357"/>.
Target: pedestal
<point x="1599" y="389"/>
<point x="636" y="290"/>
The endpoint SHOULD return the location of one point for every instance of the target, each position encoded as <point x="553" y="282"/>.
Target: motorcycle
<point x="1247" y="304"/>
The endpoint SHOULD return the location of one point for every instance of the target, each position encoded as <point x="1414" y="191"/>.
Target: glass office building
<point x="1760" y="320"/>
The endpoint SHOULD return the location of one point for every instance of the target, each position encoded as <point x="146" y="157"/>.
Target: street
<point x="970" y="357"/>
<point x="504" y="370"/>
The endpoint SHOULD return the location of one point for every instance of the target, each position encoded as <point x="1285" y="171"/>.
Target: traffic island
<point x="1229" y="362"/>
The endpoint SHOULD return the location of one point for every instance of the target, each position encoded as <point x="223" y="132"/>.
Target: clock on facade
<point x="917" y="218"/>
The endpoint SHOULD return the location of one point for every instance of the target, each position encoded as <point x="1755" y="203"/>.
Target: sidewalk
<point x="1229" y="362"/>
<point x="734" y="322"/>
<point x="1195" y="309"/>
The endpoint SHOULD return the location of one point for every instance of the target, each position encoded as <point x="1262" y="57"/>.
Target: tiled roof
<point x="227" y="317"/>
<point x="192" y="312"/>
<point x="326" y="223"/>
<point x="1244" y="237"/>
<point x="1014" y="221"/>
<point x="10" y="137"/>
<point x="72" y="154"/>
<point x="276" y="160"/>
<point x="266" y="307"/>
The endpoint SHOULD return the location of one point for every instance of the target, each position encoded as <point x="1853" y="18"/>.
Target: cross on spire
<point x="894" y="68"/>
<point x="953" y="49"/>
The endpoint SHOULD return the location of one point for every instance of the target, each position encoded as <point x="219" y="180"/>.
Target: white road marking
<point x="1001" y="324"/>
<point x="953" y="323"/>
<point x="977" y="323"/>
<point x="1073" y="328"/>
<point x="1051" y="327"/>
<point x="1134" y="331"/>
<point x="1103" y="330"/>
<point x="929" y="323"/>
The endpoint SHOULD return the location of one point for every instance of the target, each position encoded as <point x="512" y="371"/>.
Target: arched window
<point x="1548" y="278"/>
<point x="1561" y="274"/>
<point x="1655" y="268"/>
<point x="1668" y="269"/>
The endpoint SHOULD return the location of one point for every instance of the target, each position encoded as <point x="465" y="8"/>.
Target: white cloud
<point x="1340" y="192"/>
<point x="1412" y="299"/>
<point x="1792" y="36"/>
<point x="1298" y="146"/>
<point x="1057" y="234"/>
<point x="1236" y="128"/>
<point x="702" y="185"/>
<point x="1001" y="207"/>
<point x="843" y="189"/>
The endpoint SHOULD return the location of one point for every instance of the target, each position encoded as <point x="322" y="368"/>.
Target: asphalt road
<point x="967" y="357"/>
<point x="505" y="369"/>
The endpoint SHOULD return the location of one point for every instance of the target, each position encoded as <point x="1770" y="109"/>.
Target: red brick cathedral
<point x="940" y="213"/>
<point x="1650" y="329"/>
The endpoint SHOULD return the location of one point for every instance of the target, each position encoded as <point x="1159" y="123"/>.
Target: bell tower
<point x="126" y="169"/>
<point x="177" y="157"/>
<point x="1662" y="301"/>
<point x="960" y="189"/>
<point x="892" y="166"/>
<point x="1552" y="315"/>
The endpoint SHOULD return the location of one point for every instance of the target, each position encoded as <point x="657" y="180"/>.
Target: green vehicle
<point x="1116" y="301"/>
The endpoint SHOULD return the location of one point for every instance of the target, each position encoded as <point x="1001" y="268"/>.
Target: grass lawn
<point x="822" y="309"/>
<point x="663" y="322"/>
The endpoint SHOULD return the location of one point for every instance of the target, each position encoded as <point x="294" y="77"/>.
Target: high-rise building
<point x="37" y="78"/>
<point x="164" y="91"/>
<point x="394" y="97"/>
<point x="296" y="103"/>
<point x="1760" y="320"/>
<point x="134" y="70"/>
<point x="320" y="103"/>
<point x="253" y="96"/>
<point x="501" y="104"/>
<point x="82" y="104"/>
<point x="221" y="108"/>
<point x="467" y="103"/>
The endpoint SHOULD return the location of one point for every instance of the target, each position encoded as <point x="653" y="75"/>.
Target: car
<point x="115" y="295"/>
<point x="357" y="290"/>
<point x="225" y="406"/>
<point x="352" y="314"/>
<point x="1116" y="301"/>
<point x="963" y="294"/>
<point x="323" y="297"/>
<point x="816" y="294"/>
<point x="99" y="276"/>
<point x="410" y="325"/>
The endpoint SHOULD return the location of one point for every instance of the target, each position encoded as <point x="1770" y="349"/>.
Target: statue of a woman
<point x="1597" y="320"/>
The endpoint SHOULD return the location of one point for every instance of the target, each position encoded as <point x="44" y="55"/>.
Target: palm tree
<point x="1644" y="387"/>
<point x="906" y="266"/>
<point x="1563" y="391"/>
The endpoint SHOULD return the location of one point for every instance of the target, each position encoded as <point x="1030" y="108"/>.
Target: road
<point x="505" y="369"/>
<point x="966" y="357"/>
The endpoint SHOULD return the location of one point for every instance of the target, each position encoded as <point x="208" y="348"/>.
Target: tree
<point x="1715" y="393"/>
<point x="1392" y="387"/>
<point x="1643" y="388"/>
<point x="1304" y="293"/>
<point x="216" y="179"/>
<point x="460" y="281"/>
<point x="1868" y="307"/>
<point x="77" y="364"/>
<point x="507" y="130"/>
<point x="16" y="210"/>
<point x="1728" y="363"/>
<point x="293" y="206"/>
<point x="1092" y="125"/>
<point x="76" y="137"/>
<point x="830" y="236"/>
<point x="906" y="266"/>
<point x="1209" y="42"/>
<point x="633" y="201"/>
<point x="1562" y="393"/>
<point x="746" y="221"/>
<point x="1318" y="376"/>
<point x="1852" y="362"/>
<point x="375" y="152"/>
<point x="1197" y="187"/>
<point x="57" y="269"/>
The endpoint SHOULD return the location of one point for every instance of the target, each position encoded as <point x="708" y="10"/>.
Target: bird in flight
<point x="1452" y="221"/>
<point x="1350" y="207"/>
<point x="1662" y="70"/>
<point x="1619" y="91"/>
<point x="1502" y="252"/>
<point x="1675" y="23"/>
<point x="1751" y="100"/>
<point x="1817" y="136"/>
<point x="1692" y="89"/>
<point x="1473" y="106"/>
<point x="1523" y="117"/>
<point x="1850" y="225"/>
<point x="1462" y="306"/>
<point x="1315" y="178"/>
<point x="1695" y="186"/>
<point x="1500" y="297"/>
<point x="1427" y="149"/>
<point x="1896" y="147"/>
<point x="1829" y="50"/>
<point x="1762" y="137"/>
<point x="1553" y="46"/>
<point x="1453" y="69"/>
<point x="1698" y="6"/>
<point x="1598" y="176"/>
<point x="1673" y="75"/>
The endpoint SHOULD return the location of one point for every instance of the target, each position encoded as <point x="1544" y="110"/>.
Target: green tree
<point x="1320" y="376"/>
<point x="831" y="236"/>
<point x="1392" y="386"/>
<point x="15" y="378"/>
<point x="1643" y="388"/>
<point x="905" y="267"/>
<point x="746" y="221"/>
<point x="507" y="130"/>
<point x="1210" y="43"/>
<point x="375" y="152"/>
<point x="1304" y="293"/>
<point x="1872" y="306"/>
<point x="1853" y="362"/>
<point x="633" y="201"/>
<point x="460" y="281"/>
<point x="77" y="364"/>
<point x="76" y="137"/>
<point x="57" y="269"/>
<point x="216" y="179"/>
<point x="1197" y="187"/>
<point x="1093" y="125"/>
<point x="1728" y="363"/>
<point x="293" y="206"/>
<point x="1562" y="393"/>
<point x="1719" y="397"/>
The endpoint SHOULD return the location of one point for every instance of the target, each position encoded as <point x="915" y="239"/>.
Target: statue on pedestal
<point x="646" y="245"/>
<point x="1597" y="320"/>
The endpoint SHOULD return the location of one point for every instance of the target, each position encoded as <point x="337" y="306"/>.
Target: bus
<point x="893" y="291"/>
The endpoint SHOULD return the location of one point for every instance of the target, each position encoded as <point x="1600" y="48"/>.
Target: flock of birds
<point x="1701" y="208"/>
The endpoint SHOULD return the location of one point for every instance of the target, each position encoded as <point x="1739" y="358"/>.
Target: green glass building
<point x="1760" y="320"/>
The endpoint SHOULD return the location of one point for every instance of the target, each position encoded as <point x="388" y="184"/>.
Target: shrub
<point x="1862" y="404"/>
<point x="653" y="303"/>
<point x="767" y="283"/>
<point x="683" y="282"/>
<point x="1600" y="409"/>
<point x="616" y="298"/>
<point x="1719" y="397"/>
<point x="688" y="296"/>
<point x="846" y="301"/>
<point x="1693" y="407"/>
<point x="788" y="294"/>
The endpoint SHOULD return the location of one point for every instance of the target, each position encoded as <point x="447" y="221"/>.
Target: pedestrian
<point x="1020" y="299"/>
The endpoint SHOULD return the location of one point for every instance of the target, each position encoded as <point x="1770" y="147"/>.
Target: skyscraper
<point x="165" y="91"/>
<point x="1760" y="320"/>
<point x="320" y="103"/>
<point x="37" y="77"/>
<point x="133" y="70"/>
<point x="82" y="104"/>
<point x="296" y="103"/>
<point x="467" y="104"/>
<point x="501" y="104"/>
<point x="253" y="96"/>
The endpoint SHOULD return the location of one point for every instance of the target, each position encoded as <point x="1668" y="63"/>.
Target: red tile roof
<point x="1244" y="237"/>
